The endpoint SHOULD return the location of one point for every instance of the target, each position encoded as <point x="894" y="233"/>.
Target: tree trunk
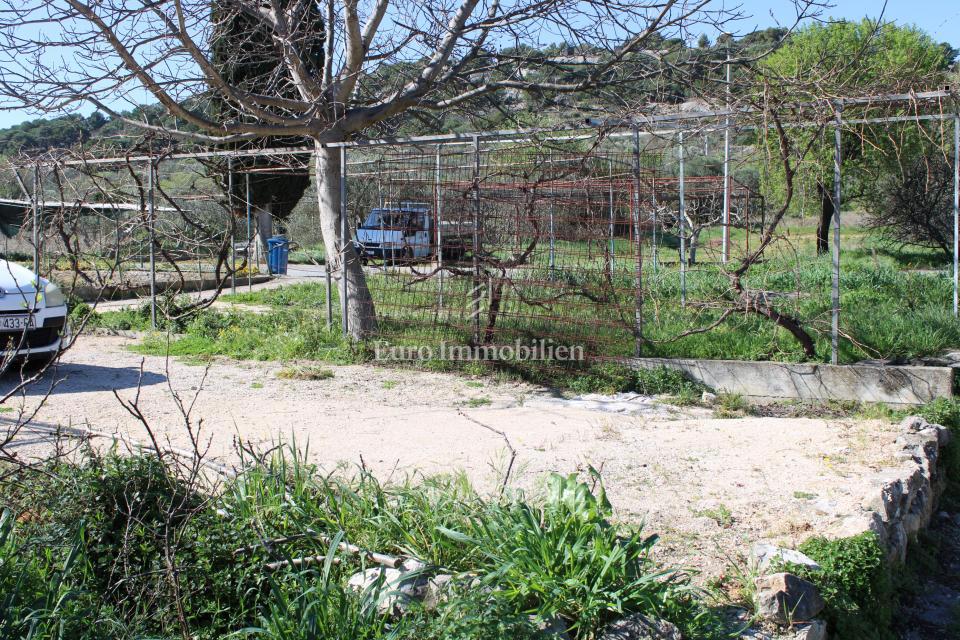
<point x="341" y="258"/>
<point x="694" y="243"/>
<point x="762" y="307"/>
<point x="826" y="217"/>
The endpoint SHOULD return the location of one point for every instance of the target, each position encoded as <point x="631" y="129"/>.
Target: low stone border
<point x="900" y="507"/>
<point x="905" y="498"/>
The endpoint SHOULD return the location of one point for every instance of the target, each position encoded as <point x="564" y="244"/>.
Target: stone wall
<point x="904" y="499"/>
<point x="900" y="505"/>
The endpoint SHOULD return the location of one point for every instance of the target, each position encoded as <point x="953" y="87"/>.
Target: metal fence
<point x="489" y="239"/>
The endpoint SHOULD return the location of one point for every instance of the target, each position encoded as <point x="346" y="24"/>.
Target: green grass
<point x="305" y="373"/>
<point x="888" y="310"/>
<point x="282" y="335"/>
<point x="95" y="540"/>
<point x="720" y="514"/>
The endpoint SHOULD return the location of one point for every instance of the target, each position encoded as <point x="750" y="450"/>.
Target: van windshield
<point x="387" y="219"/>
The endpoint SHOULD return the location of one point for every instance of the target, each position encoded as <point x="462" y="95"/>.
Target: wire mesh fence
<point x="610" y="244"/>
<point x="528" y="245"/>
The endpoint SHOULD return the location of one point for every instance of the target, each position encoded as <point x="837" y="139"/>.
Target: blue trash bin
<point x="278" y="254"/>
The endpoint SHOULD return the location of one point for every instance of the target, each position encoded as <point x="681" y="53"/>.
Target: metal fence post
<point x="36" y="219"/>
<point x="344" y="242"/>
<point x="438" y="218"/>
<point x="837" y="192"/>
<point x="654" y="221"/>
<point x="612" y="219"/>
<point x="956" y="214"/>
<point x="249" y="231"/>
<point x="475" y="294"/>
<point x="233" y="224"/>
<point x="683" y="230"/>
<point x="638" y="273"/>
<point x="725" y="250"/>
<point x="151" y="214"/>
<point x="552" y="256"/>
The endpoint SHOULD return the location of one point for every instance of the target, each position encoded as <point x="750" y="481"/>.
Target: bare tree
<point x="339" y="67"/>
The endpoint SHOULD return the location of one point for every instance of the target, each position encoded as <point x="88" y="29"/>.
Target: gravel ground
<point x="710" y="487"/>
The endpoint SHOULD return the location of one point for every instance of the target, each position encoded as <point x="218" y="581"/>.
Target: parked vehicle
<point x="409" y="233"/>
<point x="33" y="314"/>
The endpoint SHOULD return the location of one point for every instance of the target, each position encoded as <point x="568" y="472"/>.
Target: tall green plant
<point x="565" y="559"/>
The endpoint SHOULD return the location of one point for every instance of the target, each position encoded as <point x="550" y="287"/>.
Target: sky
<point x="939" y="18"/>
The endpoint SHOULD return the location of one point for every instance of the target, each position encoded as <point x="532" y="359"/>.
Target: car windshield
<point x="387" y="219"/>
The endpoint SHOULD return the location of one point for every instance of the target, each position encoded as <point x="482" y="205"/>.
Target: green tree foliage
<point x="844" y="58"/>
<point x="41" y="135"/>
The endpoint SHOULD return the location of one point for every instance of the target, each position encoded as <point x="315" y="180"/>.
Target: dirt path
<point x="709" y="486"/>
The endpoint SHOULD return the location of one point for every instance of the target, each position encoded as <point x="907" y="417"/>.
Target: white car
<point x="33" y="314"/>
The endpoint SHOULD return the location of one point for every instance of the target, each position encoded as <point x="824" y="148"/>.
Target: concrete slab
<point x="897" y="385"/>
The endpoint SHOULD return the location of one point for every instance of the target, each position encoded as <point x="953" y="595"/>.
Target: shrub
<point x="855" y="582"/>
<point x="315" y="607"/>
<point x="617" y="378"/>
<point x="100" y="538"/>
<point x="475" y="615"/>
<point x="665" y="380"/>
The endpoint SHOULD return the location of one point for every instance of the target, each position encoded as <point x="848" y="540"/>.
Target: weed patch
<point x="97" y="540"/>
<point x="855" y="581"/>
<point x="305" y="373"/>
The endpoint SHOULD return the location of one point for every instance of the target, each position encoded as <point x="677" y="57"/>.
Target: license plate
<point x="16" y="323"/>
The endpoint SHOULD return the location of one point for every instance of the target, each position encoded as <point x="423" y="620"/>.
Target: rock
<point x="896" y="543"/>
<point x="913" y="423"/>
<point x="437" y="589"/>
<point x="913" y="480"/>
<point x="784" y="598"/>
<point x="857" y="523"/>
<point x="397" y="590"/>
<point x="887" y="500"/>
<point x="708" y="398"/>
<point x="920" y="512"/>
<point x="943" y="435"/>
<point x="553" y="628"/>
<point x="826" y="507"/>
<point x="640" y="627"/>
<point x="410" y="565"/>
<point x="763" y="555"/>
<point x="813" y="630"/>
<point x="366" y="579"/>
